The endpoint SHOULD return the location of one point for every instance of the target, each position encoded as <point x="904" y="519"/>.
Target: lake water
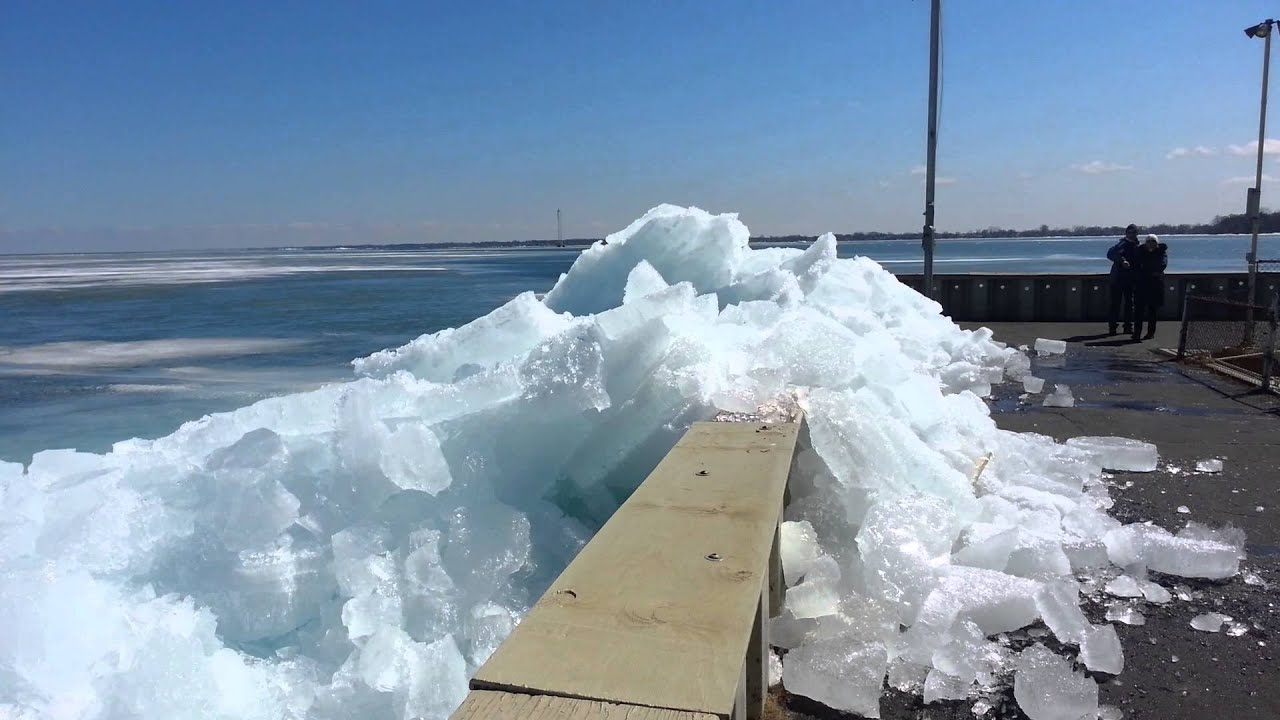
<point x="99" y="348"/>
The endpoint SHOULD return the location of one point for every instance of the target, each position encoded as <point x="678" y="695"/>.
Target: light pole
<point x="931" y="147"/>
<point x="1254" y="204"/>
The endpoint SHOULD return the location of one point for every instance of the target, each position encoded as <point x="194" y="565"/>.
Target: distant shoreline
<point x="761" y="240"/>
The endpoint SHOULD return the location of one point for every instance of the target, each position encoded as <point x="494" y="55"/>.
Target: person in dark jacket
<point x="1149" y="263"/>
<point x="1122" y="256"/>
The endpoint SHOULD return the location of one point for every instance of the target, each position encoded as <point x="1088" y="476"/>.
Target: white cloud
<point x="1270" y="147"/>
<point x="945" y="180"/>
<point x="1247" y="179"/>
<point x="1097" y="167"/>
<point x="1199" y="150"/>
<point x="919" y="170"/>
<point x="885" y="184"/>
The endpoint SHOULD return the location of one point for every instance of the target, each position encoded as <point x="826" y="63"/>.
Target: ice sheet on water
<point x="357" y="550"/>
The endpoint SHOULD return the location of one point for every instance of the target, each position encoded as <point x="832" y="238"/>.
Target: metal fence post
<point x="1182" y="332"/>
<point x="1269" y="352"/>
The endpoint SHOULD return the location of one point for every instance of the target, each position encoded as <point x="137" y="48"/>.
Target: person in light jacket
<point x="1149" y="263"/>
<point x="1122" y="256"/>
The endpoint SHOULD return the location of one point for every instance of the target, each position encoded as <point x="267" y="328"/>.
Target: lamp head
<point x="1262" y="29"/>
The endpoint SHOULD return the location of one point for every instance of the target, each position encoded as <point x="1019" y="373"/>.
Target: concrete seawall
<point x="1071" y="297"/>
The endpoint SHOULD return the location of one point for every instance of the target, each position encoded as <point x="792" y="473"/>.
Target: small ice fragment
<point x="1184" y="509"/>
<point x="1060" y="397"/>
<point x="775" y="669"/>
<point x="981" y="707"/>
<point x="1100" y="651"/>
<point x="1125" y="613"/>
<point x="1252" y="578"/>
<point x="1209" y="622"/>
<point x="1154" y="592"/>
<point x="1236" y="629"/>
<point x="1258" y="509"/>
<point x="1184" y="593"/>
<point x="1124" y="586"/>
<point x="1059" y="606"/>
<point x="1050" y="347"/>
<point x="1212" y="465"/>
<point x="798" y="546"/>
<point x="1110" y="712"/>
<point x="1117" y="453"/>
<point x="941" y="686"/>
<point x="1037" y="632"/>
<point x="1032" y="384"/>
<point x="1046" y="687"/>
<point x="1174" y="658"/>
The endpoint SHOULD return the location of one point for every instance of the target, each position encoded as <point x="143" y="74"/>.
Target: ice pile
<point x="356" y="551"/>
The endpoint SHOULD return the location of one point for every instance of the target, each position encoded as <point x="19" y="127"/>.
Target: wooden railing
<point x="664" y="614"/>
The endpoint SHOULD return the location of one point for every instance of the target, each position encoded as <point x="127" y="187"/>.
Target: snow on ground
<point x="358" y="550"/>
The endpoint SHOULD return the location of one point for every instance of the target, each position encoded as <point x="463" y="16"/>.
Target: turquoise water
<point x="99" y="348"/>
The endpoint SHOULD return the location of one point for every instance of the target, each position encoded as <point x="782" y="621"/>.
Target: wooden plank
<point x="657" y="610"/>
<point x="491" y="705"/>
<point x="756" y="683"/>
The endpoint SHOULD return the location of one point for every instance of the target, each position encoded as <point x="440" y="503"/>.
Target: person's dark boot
<point x="1151" y="332"/>
<point x="1111" y="329"/>
<point x="1128" y="329"/>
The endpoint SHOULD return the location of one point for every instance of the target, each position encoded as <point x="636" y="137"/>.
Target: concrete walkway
<point x="1124" y="388"/>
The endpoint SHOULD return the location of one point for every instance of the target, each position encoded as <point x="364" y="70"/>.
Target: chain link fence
<point x="1237" y="338"/>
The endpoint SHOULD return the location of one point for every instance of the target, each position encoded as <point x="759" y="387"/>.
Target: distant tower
<point x="559" y="230"/>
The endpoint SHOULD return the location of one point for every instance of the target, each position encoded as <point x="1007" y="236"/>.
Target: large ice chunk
<point x="1117" y="453"/>
<point x="1191" y="553"/>
<point x="838" y="673"/>
<point x="1046" y="688"/>
<point x="1044" y="346"/>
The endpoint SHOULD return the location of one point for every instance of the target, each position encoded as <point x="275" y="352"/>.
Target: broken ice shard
<point x="1060" y="397"/>
<point x="1124" y="586"/>
<point x="1032" y="384"/>
<point x="1117" y="453"/>
<point x="1101" y="651"/>
<point x="1044" y="346"/>
<point x="1125" y="613"/>
<point x="1046" y="687"/>
<point x="1209" y="622"/>
<point x="1212" y="465"/>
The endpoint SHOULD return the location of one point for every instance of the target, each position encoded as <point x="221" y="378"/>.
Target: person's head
<point x="1131" y="233"/>
<point x="1151" y="243"/>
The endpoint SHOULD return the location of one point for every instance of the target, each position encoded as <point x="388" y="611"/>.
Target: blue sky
<point x="132" y="125"/>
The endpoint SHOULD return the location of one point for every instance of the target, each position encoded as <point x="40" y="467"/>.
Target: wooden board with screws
<point x="657" y="610"/>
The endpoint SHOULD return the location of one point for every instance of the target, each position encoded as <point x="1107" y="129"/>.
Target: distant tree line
<point x="1222" y="224"/>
